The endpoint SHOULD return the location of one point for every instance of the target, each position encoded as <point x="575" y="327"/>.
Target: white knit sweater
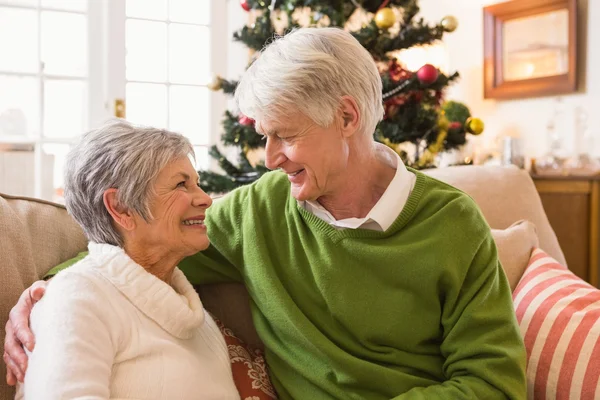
<point x="108" y="329"/>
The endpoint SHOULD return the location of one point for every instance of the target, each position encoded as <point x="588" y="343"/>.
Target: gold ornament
<point x="425" y="160"/>
<point x="449" y="23"/>
<point x="438" y="146"/>
<point x="443" y="123"/>
<point x="216" y="83"/>
<point x="385" y="18"/>
<point x="474" y="126"/>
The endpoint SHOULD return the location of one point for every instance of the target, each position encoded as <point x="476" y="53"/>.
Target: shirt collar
<point x="388" y="207"/>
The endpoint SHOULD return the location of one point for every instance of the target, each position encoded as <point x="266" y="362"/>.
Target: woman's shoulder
<point x="78" y="286"/>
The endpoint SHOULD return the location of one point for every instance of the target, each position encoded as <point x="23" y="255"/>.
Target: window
<point x="168" y="66"/>
<point x="44" y="78"/>
<point x="65" y="63"/>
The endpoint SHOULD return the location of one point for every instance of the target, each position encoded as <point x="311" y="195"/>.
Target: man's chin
<point x="299" y="194"/>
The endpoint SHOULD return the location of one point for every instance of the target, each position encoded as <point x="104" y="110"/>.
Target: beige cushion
<point x="515" y="245"/>
<point x="34" y="236"/>
<point x="504" y="195"/>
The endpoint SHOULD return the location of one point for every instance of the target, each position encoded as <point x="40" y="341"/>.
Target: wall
<point x="525" y="118"/>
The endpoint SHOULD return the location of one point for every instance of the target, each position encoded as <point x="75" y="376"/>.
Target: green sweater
<point x="420" y="311"/>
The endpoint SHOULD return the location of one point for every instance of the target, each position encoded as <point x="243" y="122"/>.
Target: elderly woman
<point x="124" y="322"/>
<point x="368" y="280"/>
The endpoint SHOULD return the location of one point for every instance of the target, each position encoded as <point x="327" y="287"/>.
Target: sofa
<point x="36" y="235"/>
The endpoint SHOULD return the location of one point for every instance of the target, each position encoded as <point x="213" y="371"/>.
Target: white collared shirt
<point x="386" y="210"/>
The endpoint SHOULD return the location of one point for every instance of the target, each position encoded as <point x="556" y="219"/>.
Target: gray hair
<point x="310" y="69"/>
<point x="122" y="156"/>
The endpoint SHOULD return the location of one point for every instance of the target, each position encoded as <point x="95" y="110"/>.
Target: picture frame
<point x="530" y="48"/>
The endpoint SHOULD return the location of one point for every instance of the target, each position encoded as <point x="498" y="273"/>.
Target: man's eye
<point x="181" y="184"/>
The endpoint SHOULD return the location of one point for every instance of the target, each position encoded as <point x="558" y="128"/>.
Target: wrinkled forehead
<point x="281" y="122"/>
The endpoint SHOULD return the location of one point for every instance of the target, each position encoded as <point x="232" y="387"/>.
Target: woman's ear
<point x="350" y="116"/>
<point x="122" y="216"/>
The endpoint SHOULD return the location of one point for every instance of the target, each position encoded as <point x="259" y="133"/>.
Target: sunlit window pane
<point x="190" y="112"/>
<point x="189" y="54"/>
<point x="22" y="3"/>
<point x="18" y="40"/>
<point x="19" y="99"/>
<point x="64" y="43"/>
<point x="147" y="104"/>
<point x="65" y="108"/>
<point x="70" y="5"/>
<point x="202" y="158"/>
<point x="146" y="45"/>
<point x="151" y="9"/>
<point x="59" y="155"/>
<point x="193" y="11"/>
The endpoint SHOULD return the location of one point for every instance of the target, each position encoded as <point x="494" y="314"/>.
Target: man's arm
<point x="223" y="260"/>
<point x="484" y="351"/>
<point x="18" y="333"/>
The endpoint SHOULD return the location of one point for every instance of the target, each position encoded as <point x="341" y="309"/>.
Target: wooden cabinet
<point x="572" y="205"/>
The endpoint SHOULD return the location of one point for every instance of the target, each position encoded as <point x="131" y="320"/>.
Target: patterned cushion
<point x="559" y="318"/>
<point x="249" y="368"/>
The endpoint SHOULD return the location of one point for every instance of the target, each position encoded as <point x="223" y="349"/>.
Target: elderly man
<point x="367" y="280"/>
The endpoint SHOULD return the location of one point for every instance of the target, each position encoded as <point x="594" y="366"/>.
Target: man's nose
<point x="274" y="157"/>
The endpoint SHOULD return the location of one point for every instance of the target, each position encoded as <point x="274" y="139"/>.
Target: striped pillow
<point x="559" y="318"/>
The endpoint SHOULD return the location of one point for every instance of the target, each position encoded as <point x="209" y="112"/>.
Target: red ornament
<point x="246" y="121"/>
<point x="455" y="126"/>
<point x="427" y="74"/>
<point x="245" y="5"/>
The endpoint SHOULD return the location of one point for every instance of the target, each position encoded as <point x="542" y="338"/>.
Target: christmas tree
<point x="415" y="110"/>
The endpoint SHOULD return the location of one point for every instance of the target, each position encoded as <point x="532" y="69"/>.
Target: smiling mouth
<point x="296" y="173"/>
<point x="193" y="222"/>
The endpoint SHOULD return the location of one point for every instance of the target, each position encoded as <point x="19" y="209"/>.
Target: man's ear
<point x="350" y="116"/>
<point x="122" y="216"/>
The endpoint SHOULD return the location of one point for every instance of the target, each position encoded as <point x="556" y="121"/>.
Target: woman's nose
<point x="201" y="199"/>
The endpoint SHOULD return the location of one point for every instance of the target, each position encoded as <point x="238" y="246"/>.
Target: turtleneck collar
<point x="176" y="307"/>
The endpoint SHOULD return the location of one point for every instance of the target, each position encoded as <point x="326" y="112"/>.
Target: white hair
<point x="309" y="70"/>
<point x="122" y="156"/>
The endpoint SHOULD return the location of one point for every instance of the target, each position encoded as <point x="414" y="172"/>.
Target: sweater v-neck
<point x="176" y="307"/>
<point x="339" y="234"/>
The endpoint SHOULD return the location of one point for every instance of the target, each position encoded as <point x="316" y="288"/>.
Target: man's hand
<point x="18" y="333"/>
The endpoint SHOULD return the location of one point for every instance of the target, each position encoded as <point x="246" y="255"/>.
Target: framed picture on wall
<point x="530" y="48"/>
